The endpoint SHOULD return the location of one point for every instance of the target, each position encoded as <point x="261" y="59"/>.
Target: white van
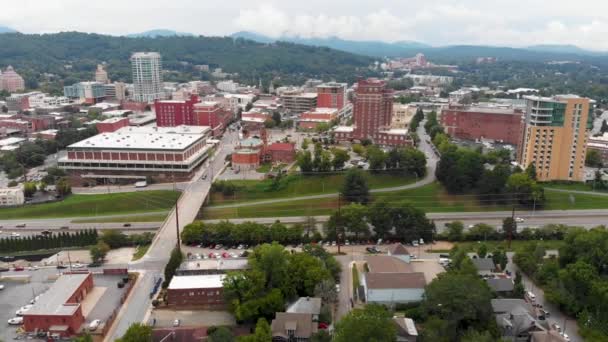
<point x="530" y="296"/>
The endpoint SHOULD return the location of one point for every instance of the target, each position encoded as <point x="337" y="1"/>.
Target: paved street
<point x="153" y="263"/>
<point x="565" y="322"/>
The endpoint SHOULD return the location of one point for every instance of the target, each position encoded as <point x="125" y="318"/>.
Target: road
<point x="152" y="264"/>
<point x="570" y="325"/>
<point x="431" y="160"/>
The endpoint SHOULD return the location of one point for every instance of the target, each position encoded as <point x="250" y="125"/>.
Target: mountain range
<point x="410" y="48"/>
<point x="158" y="33"/>
<point x="6" y="29"/>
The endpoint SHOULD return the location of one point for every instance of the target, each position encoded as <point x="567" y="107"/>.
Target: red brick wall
<point x="169" y="113"/>
<point x="33" y="322"/>
<point x="326" y="98"/>
<point x="246" y="160"/>
<point x="373" y="108"/>
<point x="108" y="127"/>
<point x="475" y="125"/>
<point x="209" y="298"/>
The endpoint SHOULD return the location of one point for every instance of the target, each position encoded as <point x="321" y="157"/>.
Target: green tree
<point x="305" y="144"/>
<point x="63" y="187"/>
<point x="304" y="161"/>
<point x="509" y="227"/>
<point x="172" y="265"/>
<point x="84" y="338"/>
<point x="531" y="171"/>
<point x="99" y="251"/>
<point x="371" y="323"/>
<point x="355" y="188"/>
<point x="482" y="250"/>
<point x="594" y="158"/>
<point x="220" y="334"/>
<point x="321" y="336"/>
<point x="326" y="290"/>
<point x="525" y="190"/>
<point x="381" y="216"/>
<point x="114" y="238"/>
<point x="477" y="336"/>
<point x="377" y="158"/>
<point x="29" y="189"/>
<point x="137" y="332"/>
<point x="262" y="333"/>
<point x="455" y="230"/>
<point x="340" y="158"/>
<point x="354" y="219"/>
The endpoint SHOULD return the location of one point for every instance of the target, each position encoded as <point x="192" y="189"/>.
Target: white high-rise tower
<point x="147" y="77"/>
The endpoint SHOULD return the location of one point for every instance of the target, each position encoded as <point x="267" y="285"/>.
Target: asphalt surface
<point x="152" y="264"/>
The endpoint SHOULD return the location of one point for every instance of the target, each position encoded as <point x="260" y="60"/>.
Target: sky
<point x="489" y="22"/>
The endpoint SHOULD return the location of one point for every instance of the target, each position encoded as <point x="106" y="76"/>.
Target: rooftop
<point x="395" y="280"/>
<point x="484" y="264"/>
<point x="146" y="138"/>
<point x="282" y="147"/>
<point x="387" y="264"/>
<point x="214" y="264"/>
<point x="306" y="305"/>
<point x="406" y="325"/>
<point x="53" y="301"/>
<point x="500" y="284"/>
<point x="396" y="131"/>
<point x="344" y="129"/>
<point x="11" y="141"/>
<point x="398" y="249"/>
<point x="207" y="281"/>
<point x="301" y="323"/>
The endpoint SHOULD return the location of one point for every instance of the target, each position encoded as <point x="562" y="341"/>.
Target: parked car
<point x="18" y="268"/>
<point x="519" y="220"/>
<point x="77" y="265"/>
<point x="22" y="310"/>
<point x="337" y="287"/>
<point x="373" y="250"/>
<point x="176" y="322"/>
<point x="530" y="296"/>
<point x="61" y="267"/>
<point x="13" y="234"/>
<point x="15" y="321"/>
<point x="225" y="255"/>
<point x="94" y="325"/>
<point x="1" y="287"/>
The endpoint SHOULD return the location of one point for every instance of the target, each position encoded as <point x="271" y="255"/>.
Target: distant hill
<point x="6" y="29"/>
<point x="368" y="48"/>
<point x="158" y="33"/>
<point x="35" y="54"/>
<point x="573" y="49"/>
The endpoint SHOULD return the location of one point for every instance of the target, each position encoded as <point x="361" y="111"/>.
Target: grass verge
<point x="96" y="205"/>
<point x="160" y="217"/>
<point x="472" y="246"/>
<point x="140" y="252"/>
<point x="430" y="198"/>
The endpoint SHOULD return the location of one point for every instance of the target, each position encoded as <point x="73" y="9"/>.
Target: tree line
<point x="577" y="280"/>
<point x="80" y="238"/>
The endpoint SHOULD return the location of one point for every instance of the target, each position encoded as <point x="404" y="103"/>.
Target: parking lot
<point x="99" y="304"/>
<point x="189" y="318"/>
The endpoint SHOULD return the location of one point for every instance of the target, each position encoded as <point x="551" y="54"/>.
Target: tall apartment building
<point x="116" y="90"/>
<point x="147" y="77"/>
<point x="101" y="75"/>
<point x="554" y="137"/>
<point x="11" y="81"/>
<point x="170" y="113"/>
<point x="373" y="108"/>
<point x="331" y="95"/>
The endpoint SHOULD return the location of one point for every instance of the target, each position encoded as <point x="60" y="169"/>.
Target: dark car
<point x="4" y="269"/>
<point x="126" y="225"/>
<point x="45" y="232"/>
<point x="372" y="250"/>
<point x="61" y="267"/>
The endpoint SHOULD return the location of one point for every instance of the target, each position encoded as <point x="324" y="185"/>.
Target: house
<point x="502" y="286"/>
<point x="515" y="319"/>
<point x="306" y="305"/>
<point x="387" y="264"/>
<point x="289" y="326"/>
<point x="399" y="251"/>
<point x="484" y="266"/>
<point x="406" y="329"/>
<point x="390" y="288"/>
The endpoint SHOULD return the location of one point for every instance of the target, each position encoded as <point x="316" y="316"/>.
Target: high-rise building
<point x="170" y="113"/>
<point x="331" y="95"/>
<point x="11" y="81"/>
<point x="554" y="137"/>
<point x="373" y="108"/>
<point x="298" y="102"/>
<point x="88" y="92"/>
<point x="101" y="75"/>
<point x="493" y="123"/>
<point x="147" y="77"/>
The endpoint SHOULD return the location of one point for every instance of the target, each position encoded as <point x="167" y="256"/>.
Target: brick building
<point x="248" y="154"/>
<point x="11" y="81"/>
<point x="372" y="115"/>
<point x="59" y="311"/>
<point x="312" y="118"/>
<point x="197" y="290"/>
<point x="175" y="112"/>
<point x="281" y="152"/>
<point x="212" y="114"/>
<point x="331" y="95"/>
<point x="474" y="123"/>
<point x="112" y="124"/>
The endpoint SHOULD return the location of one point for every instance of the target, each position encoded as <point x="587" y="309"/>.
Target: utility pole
<point x="339" y="221"/>
<point x="513" y="226"/>
<point x="177" y="224"/>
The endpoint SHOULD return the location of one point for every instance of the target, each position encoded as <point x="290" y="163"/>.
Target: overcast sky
<point x="493" y="22"/>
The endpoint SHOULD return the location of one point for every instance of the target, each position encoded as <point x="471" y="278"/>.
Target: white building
<point x="390" y="288"/>
<point x="101" y="75"/>
<point x="147" y="77"/>
<point x="228" y="86"/>
<point x="11" y="197"/>
<point x="43" y="100"/>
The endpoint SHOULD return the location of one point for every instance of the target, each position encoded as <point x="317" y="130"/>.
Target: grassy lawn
<point x="160" y="217"/>
<point x="297" y="185"/>
<point x="96" y="205"/>
<point x="471" y="246"/>
<point x="264" y="168"/>
<point x="140" y="252"/>
<point x="577" y="186"/>
<point x="431" y="198"/>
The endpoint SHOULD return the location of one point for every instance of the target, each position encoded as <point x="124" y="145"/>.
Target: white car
<point x="176" y="322"/>
<point x="13" y="234"/>
<point x="77" y="266"/>
<point x="337" y="287"/>
<point x="519" y="220"/>
<point x="1" y="287"/>
<point x="23" y="310"/>
<point x="94" y="325"/>
<point x="15" y="321"/>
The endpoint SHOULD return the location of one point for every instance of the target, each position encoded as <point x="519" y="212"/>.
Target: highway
<point x="151" y="266"/>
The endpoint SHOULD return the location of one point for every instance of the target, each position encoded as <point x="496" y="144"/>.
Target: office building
<point x="475" y="123"/>
<point x="554" y="136"/>
<point x="331" y="95"/>
<point x="11" y="81"/>
<point x="197" y="290"/>
<point x="86" y="92"/>
<point x="116" y="90"/>
<point x="402" y="116"/>
<point x="310" y="119"/>
<point x="147" y="77"/>
<point x="101" y="75"/>
<point x="170" y="113"/>
<point x="297" y="102"/>
<point x="212" y="114"/>
<point x="112" y="124"/>
<point x="132" y="153"/>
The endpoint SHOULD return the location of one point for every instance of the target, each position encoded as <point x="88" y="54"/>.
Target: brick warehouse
<point x="197" y="290"/>
<point x="473" y="123"/>
<point x="59" y="311"/>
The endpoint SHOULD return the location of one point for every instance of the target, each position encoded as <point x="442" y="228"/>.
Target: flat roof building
<point x="158" y="152"/>
<point x="298" y="102"/>
<point x="196" y="290"/>
<point x="212" y="266"/>
<point x="476" y="122"/>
